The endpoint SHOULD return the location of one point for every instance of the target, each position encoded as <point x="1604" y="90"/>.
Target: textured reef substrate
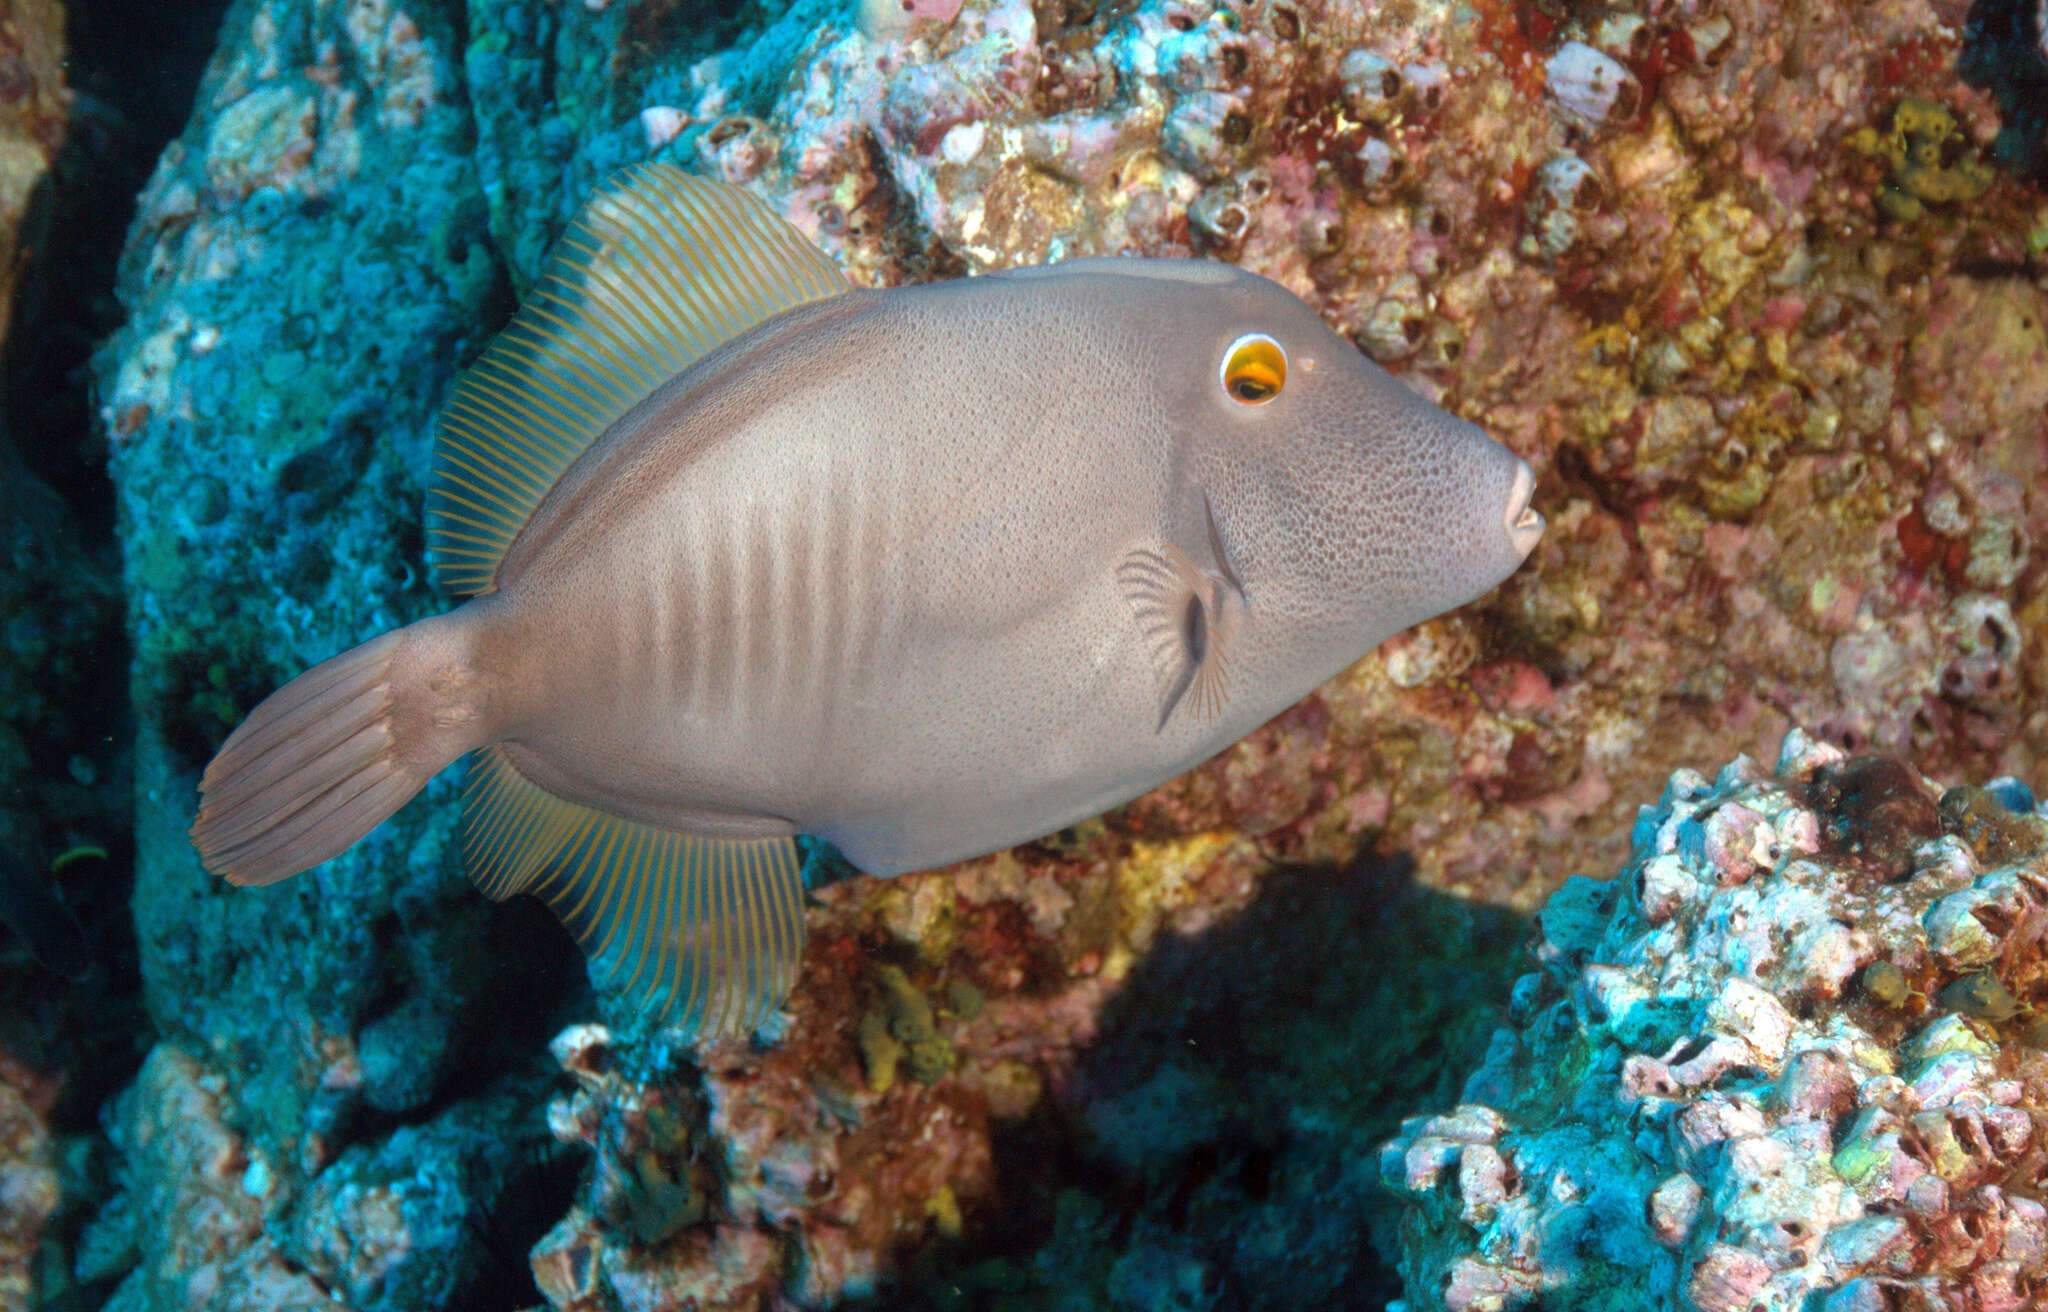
<point x="1759" y="291"/>
<point x="1790" y="1057"/>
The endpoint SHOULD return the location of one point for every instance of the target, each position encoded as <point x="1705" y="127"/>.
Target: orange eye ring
<point x="1254" y="369"/>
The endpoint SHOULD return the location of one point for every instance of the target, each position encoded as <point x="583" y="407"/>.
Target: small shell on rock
<point x="1611" y="992"/>
<point x="1722" y="1053"/>
<point x="1937" y="1083"/>
<point x="1674" y="1206"/>
<point x="1372" y="86"/>
<point x="1733" y="841"/>
<point x="1800" y="754"/>
<point x="738" y="147"/>
<point x="1946" y="861"/>
<point x="1816" y="1086"/>
<point x="1206" y="133"/>
<point x="1927" y="1196"/>
<point x="1483" y="1182"/>
<point x="1564" y="190"/>
<point x="1710" y="1122"/>
<point x="1380" y="168"/>
<point x="1321" y="235"/>
<point x="1392" y="330"/>
<point x="1219" y="220"/>
<point x="1590" y="86"/>
<point x="1664" y="886"/>
<point x="1683" y="786"/>
<point x="585" y="1052"/>
<point x="2008" y="1130"/>
<point x="1954" y="933"/>
<point x="1868" y="1240"/>
<point x="1425" y="85"/>
<point x="661" y="124"/>
<point x="1798" y="831"/>
<point x="1727" y="1279"/>
<point x="1829" y="955"/>
<point x="1646" y="1077"/>
<point x="1474" y="1286"/>
<point x="1709" y="36"/>
<point x="1623" y="36"/>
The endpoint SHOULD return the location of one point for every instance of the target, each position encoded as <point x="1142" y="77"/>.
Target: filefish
<point x="923" y="572"/>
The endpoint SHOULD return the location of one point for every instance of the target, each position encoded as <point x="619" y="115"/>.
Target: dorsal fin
<point x="658" y="270"/>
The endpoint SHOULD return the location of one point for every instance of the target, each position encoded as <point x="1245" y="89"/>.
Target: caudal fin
<point x="329" y="756"/>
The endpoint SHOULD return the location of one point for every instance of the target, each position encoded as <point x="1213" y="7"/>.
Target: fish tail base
<point x="332" y="754"/>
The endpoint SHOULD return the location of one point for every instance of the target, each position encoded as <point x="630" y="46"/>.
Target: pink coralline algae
<point x="1791" y="1057"/>
<point x="782" y="1175"/>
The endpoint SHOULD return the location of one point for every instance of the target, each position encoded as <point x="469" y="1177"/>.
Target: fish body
<point x="881" y="603"/>
<point x="923" y="572"/>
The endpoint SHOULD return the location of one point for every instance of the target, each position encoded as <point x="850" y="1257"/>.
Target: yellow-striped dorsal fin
<point x="658" y="270"/>
<point x="700" y="933"/>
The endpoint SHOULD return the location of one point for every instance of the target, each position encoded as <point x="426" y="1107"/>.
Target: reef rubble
<point x="1790" y="1057"/>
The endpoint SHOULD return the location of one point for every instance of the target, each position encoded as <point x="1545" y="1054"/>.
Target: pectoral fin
<point x="703" y="932"/>
<point x="1188" y="619"/>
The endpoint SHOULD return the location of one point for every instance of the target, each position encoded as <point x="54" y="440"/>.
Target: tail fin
<point x="329" y="756"/>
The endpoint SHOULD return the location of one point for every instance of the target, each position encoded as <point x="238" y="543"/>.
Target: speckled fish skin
<point x="856" y="573"/>
<point x="923" y="572"/>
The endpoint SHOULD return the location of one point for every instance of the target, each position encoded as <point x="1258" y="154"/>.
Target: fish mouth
<point x="1523" y="521"/>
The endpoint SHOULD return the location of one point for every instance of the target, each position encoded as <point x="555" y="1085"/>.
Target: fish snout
<point x="1523" y="521"/>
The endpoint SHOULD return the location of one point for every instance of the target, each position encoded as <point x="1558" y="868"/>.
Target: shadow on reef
<point x="2005" y="52"/>
<point x="65" y="727"/>
<point x="1219" y="1145"/>
<point x="66" y="764"/>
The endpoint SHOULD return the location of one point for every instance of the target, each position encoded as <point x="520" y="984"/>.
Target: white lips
<point x="1524" y="523"/>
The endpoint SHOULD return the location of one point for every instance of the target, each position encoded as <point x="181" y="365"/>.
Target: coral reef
<point x="34" y="101"/>
<point x="1792" y="433"/>
<point x="1788" y="1058"/>
<point x="28" y="1176"/>
<point x="208" y="1217"/>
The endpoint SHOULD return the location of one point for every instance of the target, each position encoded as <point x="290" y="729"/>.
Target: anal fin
<point x="701" y="933"/>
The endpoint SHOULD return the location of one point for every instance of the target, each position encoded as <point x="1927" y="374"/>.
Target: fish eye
<point x="1254" y="369"/>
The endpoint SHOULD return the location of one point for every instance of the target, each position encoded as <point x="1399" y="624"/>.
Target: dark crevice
<point x="2005" y="52"/>
<point x="66" y="800"/>
<point x="134" y="67"/>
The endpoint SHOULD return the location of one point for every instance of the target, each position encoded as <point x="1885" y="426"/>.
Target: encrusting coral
<point x="1789" y="1058"/>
